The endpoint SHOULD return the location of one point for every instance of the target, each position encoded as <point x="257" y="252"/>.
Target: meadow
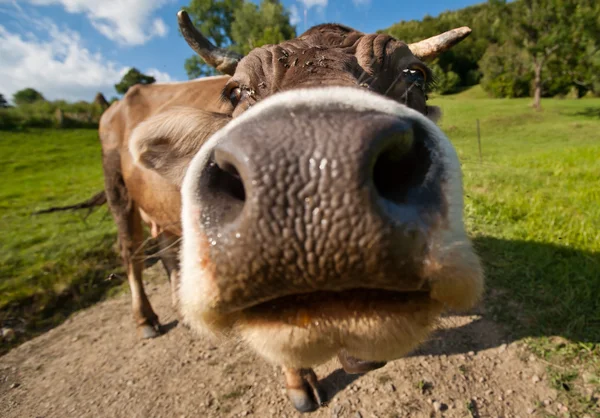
<point x="532" y="206"/>
<point x="53" y="264"/>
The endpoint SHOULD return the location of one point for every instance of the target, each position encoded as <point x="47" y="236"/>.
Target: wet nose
<point x="387" y="157"/>
<point x="319" y="197"/>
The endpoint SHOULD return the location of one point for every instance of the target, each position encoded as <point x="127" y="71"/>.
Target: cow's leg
<point x="169" y="254"/>
<point x="353" y="365"/>
<point x="145" y="319"/>
<point x="129" y="227"/>
<point x="302" y="388"/>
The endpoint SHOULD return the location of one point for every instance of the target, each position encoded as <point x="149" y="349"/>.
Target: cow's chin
<point x="307" y="330"/>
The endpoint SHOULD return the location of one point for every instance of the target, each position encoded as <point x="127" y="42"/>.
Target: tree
<point x="487" y="21"/>
<point x="3" y="102"/>
<point x="133" y="77"/>
<point x="445" y="82"/>
<point x="213" y="18"/>
<point x="506" y="71"/>
<point x="510" y="41"/>
<point x="100" y="100"/>
<point x="562" y="40"/>
<point x="255" y="26"/>
<point x="27" y="96"/>
<point x="579" y="60"/>
<point x="239" y="25"/>
<point x="540" y="28"/>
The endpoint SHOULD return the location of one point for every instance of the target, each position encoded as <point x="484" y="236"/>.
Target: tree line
<point x="29" y="95"/>
<point x="525" y="48"/>
<point x="538" y="48"/>
<point x="31" y="109"/>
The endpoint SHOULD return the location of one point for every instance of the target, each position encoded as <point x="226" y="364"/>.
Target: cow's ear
<point x="167" y="142"/>
<point x="434" y="113"/>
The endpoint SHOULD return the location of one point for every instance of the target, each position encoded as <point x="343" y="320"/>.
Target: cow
<point x="136" y="195"/>
<point x="319" y="205"/>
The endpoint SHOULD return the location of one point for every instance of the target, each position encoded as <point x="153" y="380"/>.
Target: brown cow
<point x="322" y="211"/>
<point x="135" y="193"/>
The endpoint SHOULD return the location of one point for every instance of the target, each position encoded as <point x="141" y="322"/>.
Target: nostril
<point x="221" y="189"/>
<point x="228" y="179"/>
<point x="402" y="165"/>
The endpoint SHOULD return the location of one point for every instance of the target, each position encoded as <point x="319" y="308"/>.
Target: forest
<point x="518" y="49"/>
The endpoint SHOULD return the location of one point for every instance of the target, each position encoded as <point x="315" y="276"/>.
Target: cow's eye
<point x="235" y="95"/>
<point x="416" y="74"/>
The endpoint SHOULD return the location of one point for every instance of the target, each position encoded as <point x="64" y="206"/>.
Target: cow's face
<point x="330" y="55"/>
<point x="326" y="215"/>
<point x="325" y="219"/>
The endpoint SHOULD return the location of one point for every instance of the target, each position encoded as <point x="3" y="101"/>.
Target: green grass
<point x="55" y="263"/>
<point x="532" y="206"/>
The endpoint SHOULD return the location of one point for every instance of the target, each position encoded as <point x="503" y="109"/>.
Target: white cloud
<point x="128" y="22"/>
<point x="60" y="67"/>
<point x="294" y="15"/>
<point x="314" y="3"/>
<point x="161" y="77"/>
<point x="359" y="3"/>
<point x="318" y="5"/>
<point x="160" y="28"/>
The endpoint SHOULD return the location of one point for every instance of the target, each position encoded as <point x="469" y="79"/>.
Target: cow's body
<point x="136" y="194"/>
<point x="320" y="206"/>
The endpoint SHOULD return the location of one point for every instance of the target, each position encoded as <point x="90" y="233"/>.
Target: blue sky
<point x="73" y="48"/>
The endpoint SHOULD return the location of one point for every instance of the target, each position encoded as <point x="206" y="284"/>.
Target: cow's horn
<point x="223" y="60"/>
<point x="430" y="48"/>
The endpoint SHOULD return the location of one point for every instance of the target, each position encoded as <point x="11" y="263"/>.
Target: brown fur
<point x="178" y="131"/>
<point x="330" y="54"/>
<point x="134" y="192"/>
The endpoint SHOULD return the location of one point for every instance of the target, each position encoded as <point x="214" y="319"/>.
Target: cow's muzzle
<point x="314" y="208"/>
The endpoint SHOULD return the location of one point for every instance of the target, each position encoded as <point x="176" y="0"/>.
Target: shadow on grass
<point x="32" y="315"/>
<point x="543" y="289"/>
<point x="590" y="112"/>
<point x="533" y="290"/>
<point x="99" y="276"/>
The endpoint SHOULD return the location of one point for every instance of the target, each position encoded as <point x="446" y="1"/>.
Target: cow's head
<point x="327" y="55"/>
<point x="324" y="212"/>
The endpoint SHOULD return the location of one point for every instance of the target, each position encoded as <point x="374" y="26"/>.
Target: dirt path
<point x="92" y="366"/>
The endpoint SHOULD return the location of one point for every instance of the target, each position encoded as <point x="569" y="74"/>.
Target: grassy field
<point x="532" y="207"/>
<point x="51" y="264"/>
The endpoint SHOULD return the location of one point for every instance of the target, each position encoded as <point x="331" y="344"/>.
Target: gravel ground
<point x="93" y="366"/>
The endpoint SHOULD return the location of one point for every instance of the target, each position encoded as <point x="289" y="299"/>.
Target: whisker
<point x="364" y="72"/>
<point x="372" y="81"/>
<point x="162" y="250"/>
<point x="405" y="94"/>
<point x="141" y="246"/>
<point x="393" y="84"/>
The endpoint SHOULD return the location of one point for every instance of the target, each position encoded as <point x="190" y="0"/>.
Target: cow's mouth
<point x="322" y="309"/>
<point x="365" y="324"/>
